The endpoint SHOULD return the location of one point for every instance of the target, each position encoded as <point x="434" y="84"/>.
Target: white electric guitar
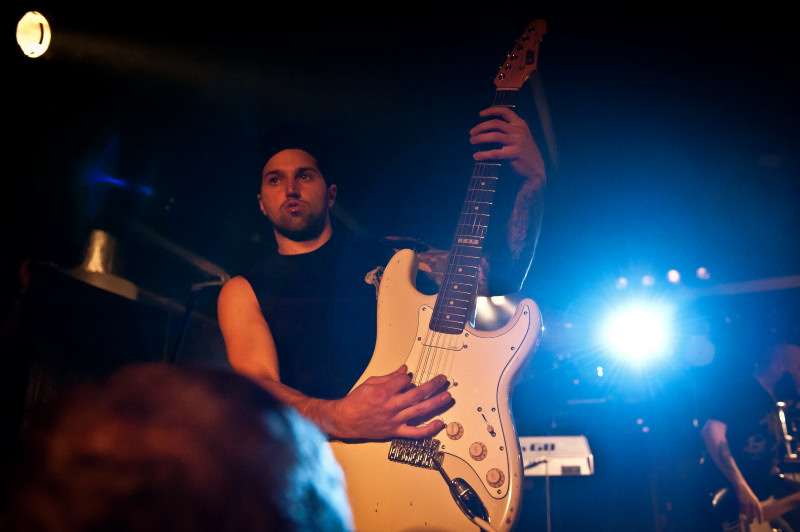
<point x="468" y="477"/>
<point x="772" y="508"/>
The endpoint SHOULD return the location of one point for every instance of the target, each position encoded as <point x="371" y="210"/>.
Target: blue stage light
<point x="638" y="331"/>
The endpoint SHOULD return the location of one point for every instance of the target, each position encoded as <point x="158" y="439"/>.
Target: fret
<point x="481" y="196"/>
<point x="460" y="282"/>
<point x="459" y="289"/>
<point x="471" y="230"/>
<point x="473" y="219"/>
<point x="467" y="229"/>
<point x="506" y="97"/>
<point x="469" y="252"/>
<point x="451" y="316"/>
<point x="479" y="206"/>
<point x="485" y="173"/>
<point x="453" y="312"/>
<point x="470" y="240"/>
<point x="467" y="248"/>
<point x="464" y="264"/>
<point x="468" y="272"/>
<point x="478" y="216"/>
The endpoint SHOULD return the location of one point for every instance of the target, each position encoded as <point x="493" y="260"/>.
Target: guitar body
<point x="747" y="526"/>
<point x="726" y="508"/>
<point x="469" y="476"/>
<point x="479" y="446"/>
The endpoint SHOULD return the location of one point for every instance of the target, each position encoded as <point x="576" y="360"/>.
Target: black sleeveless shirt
<point x="321" y="311"/>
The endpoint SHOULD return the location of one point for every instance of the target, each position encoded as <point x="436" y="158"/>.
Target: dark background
<point x="669" y="135"/>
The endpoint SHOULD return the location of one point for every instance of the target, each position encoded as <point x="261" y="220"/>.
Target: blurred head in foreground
<point x="159" y="447"/>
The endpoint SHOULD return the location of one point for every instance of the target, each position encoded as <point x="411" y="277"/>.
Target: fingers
<point x="421" y="431"/>
<point x="418" y="393"/>
<point x="505" y="118"/>
<point x="493" y="131"/>
<point x="423" y="409"/>
<point x="503" y="112"/>
<point x="751" y="509"/>
<point x="508" y="131"/>
<point x="391" y="405"/>
<point x="398" y="376"/>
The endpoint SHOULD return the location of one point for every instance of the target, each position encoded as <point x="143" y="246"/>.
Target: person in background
<point x="743" y="434"/>
<point x="158" y="447"/>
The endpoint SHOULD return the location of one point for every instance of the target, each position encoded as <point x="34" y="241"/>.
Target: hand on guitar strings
<point x="516" y="145"/>
<point x="388" y="406"/>
<point x="749" y="506"/>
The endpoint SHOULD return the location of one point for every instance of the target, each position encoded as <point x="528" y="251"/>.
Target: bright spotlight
<point x="638" y="332"/>
<point x="33" y="34"/>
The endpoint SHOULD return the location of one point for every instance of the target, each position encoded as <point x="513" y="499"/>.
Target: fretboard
<point x="459" y="289"/>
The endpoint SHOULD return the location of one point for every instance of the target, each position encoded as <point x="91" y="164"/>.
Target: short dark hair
<point x="161" y="448"/>
<point x="283" y="136"/>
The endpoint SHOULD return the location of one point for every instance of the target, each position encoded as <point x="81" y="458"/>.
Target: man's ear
<point x="261" y="205"/>
<point x="331" y="195"/>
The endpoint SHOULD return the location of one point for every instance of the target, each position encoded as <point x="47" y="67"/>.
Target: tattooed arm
<point x="522" y="234"/>
<point x="507" y="256"/>
<point x="714" y="435"/>
<point x="505" y="265"/>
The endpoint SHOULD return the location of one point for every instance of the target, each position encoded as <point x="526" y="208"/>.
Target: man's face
<point x="294" y="195"/>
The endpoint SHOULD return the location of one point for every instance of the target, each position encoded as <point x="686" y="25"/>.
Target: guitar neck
<point x="459" y="289"/>
<point x="781" y="506"/>
<point x="505" y="97"/>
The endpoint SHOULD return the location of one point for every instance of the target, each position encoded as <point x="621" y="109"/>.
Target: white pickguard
<point x="481" y="368"/>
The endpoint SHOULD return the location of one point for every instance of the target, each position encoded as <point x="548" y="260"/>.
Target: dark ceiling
<point x="674" y="132"/>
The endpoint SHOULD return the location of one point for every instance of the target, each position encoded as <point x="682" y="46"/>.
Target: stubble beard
<point x="302" y="229"/>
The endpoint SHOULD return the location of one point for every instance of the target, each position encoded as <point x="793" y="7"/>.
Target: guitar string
<point x="425" y="355"/>
<point x="472" y="222"/>
<point x="430" y="358"/>
<point x="434" y="357"/>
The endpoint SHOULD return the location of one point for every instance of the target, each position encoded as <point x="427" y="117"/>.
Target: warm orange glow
<point x="33" y="34"/>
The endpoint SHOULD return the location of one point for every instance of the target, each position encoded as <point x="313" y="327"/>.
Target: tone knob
<point x="495" y="478"/>
<point x="477" y="451"/>
<point x="454" y="430"/>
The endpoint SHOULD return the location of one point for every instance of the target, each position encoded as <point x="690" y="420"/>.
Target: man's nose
<point x="292" y="188"/>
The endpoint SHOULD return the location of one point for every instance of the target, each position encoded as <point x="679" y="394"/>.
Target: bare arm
<point x="714" y="436"/>
<point x="379" y="408"/>
<point x="505" y="269"/>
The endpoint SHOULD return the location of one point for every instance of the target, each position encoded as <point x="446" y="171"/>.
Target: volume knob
<point x="495" y="478"/>
<point x="455" y="430"/>
<point x="477" y="451"/>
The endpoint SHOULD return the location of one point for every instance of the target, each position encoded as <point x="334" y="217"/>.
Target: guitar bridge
<point x="418" y="453"/>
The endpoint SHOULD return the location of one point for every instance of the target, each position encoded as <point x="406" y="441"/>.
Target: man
<point x="744" y="436"/>
<point x="290" y="356"/>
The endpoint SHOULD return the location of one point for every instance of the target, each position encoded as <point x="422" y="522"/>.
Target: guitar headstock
<point x="521" y="61"/>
